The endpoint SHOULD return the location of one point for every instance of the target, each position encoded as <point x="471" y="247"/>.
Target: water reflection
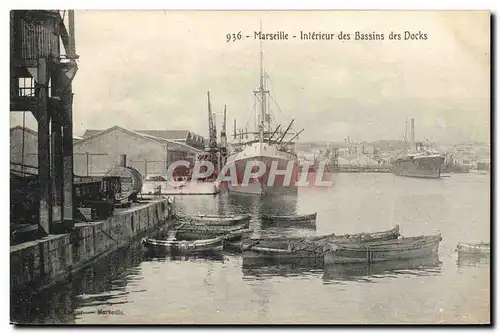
<point x="98" y="285"/>
<point x="232" y="203"/>
<point x="257" y="206"/>
<point x="210" y="289"/>
<point x="101" y="285"/>
<point x="268" y="267"/>
<point x="236" y="203"/>
<point x="161" y="255"/>
<point x="363" y="272"/>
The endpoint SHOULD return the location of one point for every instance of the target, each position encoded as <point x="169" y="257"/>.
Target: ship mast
<point x="223" y="140"/>
<point x="262" y="92"/>
<point x="212" y="131"/>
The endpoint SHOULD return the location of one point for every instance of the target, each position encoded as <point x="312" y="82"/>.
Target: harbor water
<point x="134" y="287"/>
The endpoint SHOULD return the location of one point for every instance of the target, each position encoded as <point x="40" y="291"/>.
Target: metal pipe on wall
<point x="122" y="160"/>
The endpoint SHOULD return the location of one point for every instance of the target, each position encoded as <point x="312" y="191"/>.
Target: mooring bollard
<point x="157" y="191"/>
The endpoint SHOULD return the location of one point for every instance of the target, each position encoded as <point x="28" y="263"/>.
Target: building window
<point x="26" y="87"/>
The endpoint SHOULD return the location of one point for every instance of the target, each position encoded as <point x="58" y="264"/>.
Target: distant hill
<point x="382" y="145"/>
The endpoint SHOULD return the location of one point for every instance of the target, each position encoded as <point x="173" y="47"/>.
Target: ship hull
<point x="266" y="155"/>
<point x="423" y="167"/>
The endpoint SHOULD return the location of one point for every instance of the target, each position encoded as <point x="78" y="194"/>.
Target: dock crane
<point x="213" y="147"/>
<point x="223" y="140"/>
<point x="217" y="151"/>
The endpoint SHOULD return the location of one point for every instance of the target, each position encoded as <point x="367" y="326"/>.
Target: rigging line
<point x="254" y="115"/>
<point x="277" y="105"/>
<point x="251" y="113"/>
<point x="271" y="95"/>
<point x="271" y="113"/>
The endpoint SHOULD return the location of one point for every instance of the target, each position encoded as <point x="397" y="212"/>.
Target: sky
<point x="152" y="70"/>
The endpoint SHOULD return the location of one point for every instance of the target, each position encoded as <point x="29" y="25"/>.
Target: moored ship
<point x="268" y="154"/>
<point x="419" y="161"/>
<point x="422" y="164"/>
<point x="266" y="151"/>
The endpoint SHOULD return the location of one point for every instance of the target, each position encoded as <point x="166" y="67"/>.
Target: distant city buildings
<point x="462" y="157"/>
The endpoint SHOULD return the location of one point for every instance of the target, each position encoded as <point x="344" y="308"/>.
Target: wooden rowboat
<point x="233" y="240"/>
<point x="292" y="218"/>
<point x="232" y="246"/>
<point x="473" y="248"/>
<point x="285" y="242"/>
<point x="193" y="231"/>
<point x="309" y="246"/>
<point x="391" y="234"/>
<point x="392" y="250"/>
<point x="187" y="246"/>
<point x="236" y="234"/>
<point x="215" y="220"/>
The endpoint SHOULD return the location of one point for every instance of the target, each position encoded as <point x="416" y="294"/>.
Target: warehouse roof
<point x="28" y="130"/>
<point x="170" y="142"/>
<point x="35" y="133"/>
<point x="165" y="134"/>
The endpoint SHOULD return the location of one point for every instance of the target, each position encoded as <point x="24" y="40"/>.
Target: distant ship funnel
<point x="412" y="132"/>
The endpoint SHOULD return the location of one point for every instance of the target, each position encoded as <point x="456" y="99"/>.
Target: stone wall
<point x="41" y="262"/>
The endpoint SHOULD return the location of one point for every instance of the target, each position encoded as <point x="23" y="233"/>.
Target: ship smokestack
<point x="234" y="128"/>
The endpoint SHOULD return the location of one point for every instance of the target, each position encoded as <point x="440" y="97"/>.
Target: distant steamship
<point x="418" y="161"/>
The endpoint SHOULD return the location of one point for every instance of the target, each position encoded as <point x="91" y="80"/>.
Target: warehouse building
<point x="99" y="151"/>
<point x="25" y="150"/>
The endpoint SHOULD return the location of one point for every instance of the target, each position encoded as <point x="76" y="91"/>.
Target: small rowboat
<point x="309" y="247"/>
<point x="294" y="218"/>
<point x="187" y="246"/>
<point x="215" y="220"/>
<point x="473" y="249"/>
<point x="232" y="246"/>
<point x="392" y="250"/>
<point x="233" y="240"/>
<point x="286" y="242"/>
<point x="236" y="234"/>
<point x="193" y="231"/>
